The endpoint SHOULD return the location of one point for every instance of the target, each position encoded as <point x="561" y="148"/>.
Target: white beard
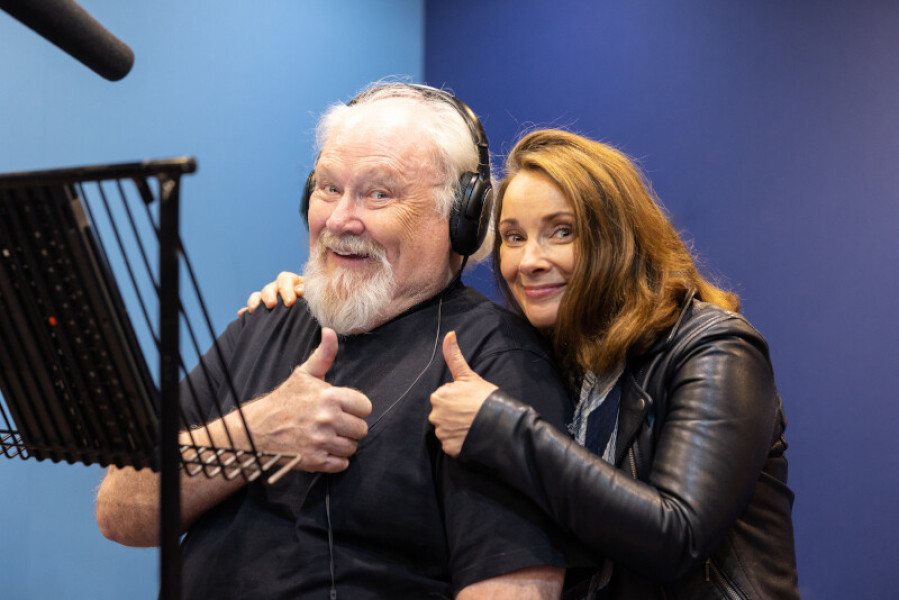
<point x="348" y="301"/>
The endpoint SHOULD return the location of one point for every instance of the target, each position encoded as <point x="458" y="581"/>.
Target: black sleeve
<point x="708" y="458"/>
<point x="491" y="528"/>
<point x="200" y="388"/>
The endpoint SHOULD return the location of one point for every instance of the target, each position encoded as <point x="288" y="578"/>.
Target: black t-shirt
<point x="404" y="520"/>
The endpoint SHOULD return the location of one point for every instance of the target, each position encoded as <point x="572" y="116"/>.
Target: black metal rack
<point x="74" y="377"/>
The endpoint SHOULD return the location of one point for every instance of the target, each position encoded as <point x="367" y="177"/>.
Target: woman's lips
<point x="538" y="292"/>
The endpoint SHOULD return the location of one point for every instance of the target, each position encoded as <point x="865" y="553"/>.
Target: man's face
<point x="375" y="235"/>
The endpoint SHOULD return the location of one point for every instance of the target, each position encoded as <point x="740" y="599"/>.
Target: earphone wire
<point x="423" y="371"/>
<point x="333" y="590"/>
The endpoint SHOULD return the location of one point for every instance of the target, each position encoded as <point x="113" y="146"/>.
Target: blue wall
<point x="239" y="86"/>
<point x="771" y="131"/>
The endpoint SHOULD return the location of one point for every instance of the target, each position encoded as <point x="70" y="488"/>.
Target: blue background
<point x="770" y="130"/>
<point x="238" y="85"/>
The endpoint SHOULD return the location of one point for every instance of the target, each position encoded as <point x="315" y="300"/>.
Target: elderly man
<point x="374" y="509"/>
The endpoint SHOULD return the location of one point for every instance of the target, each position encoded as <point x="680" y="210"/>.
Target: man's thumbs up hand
<point x="310" y="418"/>
<point x="322" y="357"/>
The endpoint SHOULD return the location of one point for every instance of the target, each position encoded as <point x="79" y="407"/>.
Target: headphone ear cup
<point x="307" y="196"/>
<point x="468" y="218"/>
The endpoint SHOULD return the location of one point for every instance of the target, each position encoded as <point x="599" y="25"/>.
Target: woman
<point x="676" y="474"/>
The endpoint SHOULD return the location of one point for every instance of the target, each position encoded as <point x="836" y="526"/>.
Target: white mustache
<point x="351" y="244"/>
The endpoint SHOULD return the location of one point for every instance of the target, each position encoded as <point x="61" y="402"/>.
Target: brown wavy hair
<point x="632" y="273"/>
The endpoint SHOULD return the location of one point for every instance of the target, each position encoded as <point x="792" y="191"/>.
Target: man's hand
<point x="455" y="405"/>
<point x="308" y="417"/>
<point x="304" y="416"/>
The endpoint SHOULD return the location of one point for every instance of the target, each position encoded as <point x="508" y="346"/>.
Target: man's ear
<point x="455" y="262"/>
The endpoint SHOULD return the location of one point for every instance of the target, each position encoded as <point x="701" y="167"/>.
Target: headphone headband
<point x="468" y="217"/>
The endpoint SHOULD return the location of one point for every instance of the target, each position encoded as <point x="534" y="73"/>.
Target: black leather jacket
<point x="698" y="506"/>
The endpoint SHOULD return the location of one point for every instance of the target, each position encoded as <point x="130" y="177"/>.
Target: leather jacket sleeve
<point x="711" y="437"/>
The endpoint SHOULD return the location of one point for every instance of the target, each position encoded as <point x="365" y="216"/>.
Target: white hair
<point x="452" y="138"/>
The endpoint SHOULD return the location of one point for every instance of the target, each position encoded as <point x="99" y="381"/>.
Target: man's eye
<point x="380" y="195"/>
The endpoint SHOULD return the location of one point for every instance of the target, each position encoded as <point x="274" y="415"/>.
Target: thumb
<point x="322" y="358"/>
<point x="454" y="359"/>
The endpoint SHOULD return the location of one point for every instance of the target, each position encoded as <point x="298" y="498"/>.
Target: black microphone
<point x="68" y="26"/>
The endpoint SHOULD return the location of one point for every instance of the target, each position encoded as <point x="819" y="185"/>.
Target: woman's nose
<point x="534" y="258"/>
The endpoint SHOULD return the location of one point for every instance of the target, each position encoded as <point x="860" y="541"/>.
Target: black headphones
<point x="468" y="219"/>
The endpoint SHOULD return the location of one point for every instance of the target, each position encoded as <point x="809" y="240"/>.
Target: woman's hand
<point x="455" y="405"/>
<point x="288" y="285"/>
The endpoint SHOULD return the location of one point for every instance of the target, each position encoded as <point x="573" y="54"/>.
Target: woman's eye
<point x="512" y="238"/>
<point x="380" y="195"/>
<point x="563" y="231"/>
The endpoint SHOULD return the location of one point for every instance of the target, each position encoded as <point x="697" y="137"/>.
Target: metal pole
<point x="170" y="458"/>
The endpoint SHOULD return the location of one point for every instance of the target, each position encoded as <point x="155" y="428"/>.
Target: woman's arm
<point x="708" y="457"/>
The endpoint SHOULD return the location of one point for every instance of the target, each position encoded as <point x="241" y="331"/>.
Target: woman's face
<point x="537" y="250"/>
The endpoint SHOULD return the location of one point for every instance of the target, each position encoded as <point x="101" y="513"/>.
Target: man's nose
<point x="346" y="216"/>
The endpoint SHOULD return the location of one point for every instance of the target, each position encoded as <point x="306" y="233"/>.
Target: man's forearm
<point x="128" y="499"/>
<point x="313" y="425"/>
<point x="534" y="583"/>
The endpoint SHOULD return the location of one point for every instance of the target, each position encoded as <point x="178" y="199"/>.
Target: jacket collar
<point x="636" y="402"/>
<point x="632" y="410"/>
